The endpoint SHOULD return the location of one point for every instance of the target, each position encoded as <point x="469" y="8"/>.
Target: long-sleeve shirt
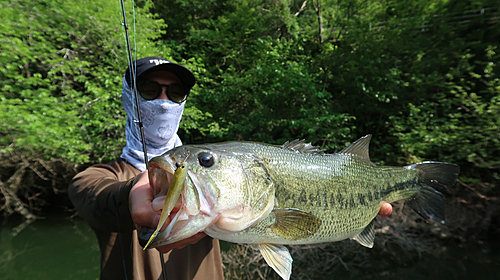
<point x="100" y="194"/>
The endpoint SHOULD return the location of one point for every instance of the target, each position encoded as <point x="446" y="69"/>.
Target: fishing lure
<point x="173" y="194"/>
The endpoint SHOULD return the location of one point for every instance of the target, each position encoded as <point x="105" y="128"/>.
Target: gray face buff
<point x="160" y="118"/>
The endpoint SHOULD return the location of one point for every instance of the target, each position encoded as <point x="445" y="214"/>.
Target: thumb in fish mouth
<point x="144" y="235"/>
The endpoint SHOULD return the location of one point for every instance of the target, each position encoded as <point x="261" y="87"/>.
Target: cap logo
<point x="158" y="61"/>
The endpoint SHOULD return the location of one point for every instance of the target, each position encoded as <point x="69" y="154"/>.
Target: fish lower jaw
<point x="185" y="226"/>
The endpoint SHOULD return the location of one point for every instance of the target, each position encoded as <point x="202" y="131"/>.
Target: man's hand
<point x="141" y="208"/>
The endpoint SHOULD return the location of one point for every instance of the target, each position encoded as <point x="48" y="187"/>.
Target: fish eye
<point x="206" y="159"/>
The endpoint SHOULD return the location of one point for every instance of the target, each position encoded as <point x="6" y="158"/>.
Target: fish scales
<point x="343" y="191"/>
<point x="271" y="196"/>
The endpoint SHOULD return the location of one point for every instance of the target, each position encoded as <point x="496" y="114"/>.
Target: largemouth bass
<point x="270" y="196"/>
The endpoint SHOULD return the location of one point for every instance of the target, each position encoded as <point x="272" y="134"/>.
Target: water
<point x="57" y="247"/>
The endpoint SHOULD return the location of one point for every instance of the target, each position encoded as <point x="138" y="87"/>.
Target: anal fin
<point x="277" y="257"/>
<point x="367" y="236"/>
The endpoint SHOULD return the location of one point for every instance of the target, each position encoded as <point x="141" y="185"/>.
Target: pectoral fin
<point x="294" y="224"/>
<point x="277" y="257"/>
<point x="367" y="236"/>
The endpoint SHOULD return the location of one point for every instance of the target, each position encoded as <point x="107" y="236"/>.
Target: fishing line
<point x="132" y="67"/>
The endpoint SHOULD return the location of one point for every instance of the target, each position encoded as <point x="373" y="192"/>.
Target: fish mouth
<point x="188" y="207"/>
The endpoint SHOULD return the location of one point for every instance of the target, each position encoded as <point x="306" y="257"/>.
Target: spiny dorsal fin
<point x="302" y="147"/>
<point x="360" y="147"/>
<point x="367" y="236"/>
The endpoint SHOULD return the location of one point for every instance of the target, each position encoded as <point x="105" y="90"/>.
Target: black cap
<point x="150" y="64"/>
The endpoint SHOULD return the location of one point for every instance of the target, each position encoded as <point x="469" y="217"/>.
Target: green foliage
<point x="462" y="122"/>
<point x="62" y="63"/>
<point x="274" y="99"/>
<point x="369" y="50"/>
<point x="61" y="67"/>
<point x="421" y="76"/>
<point x="261" y="89"/>
<point x="332" y="71"/>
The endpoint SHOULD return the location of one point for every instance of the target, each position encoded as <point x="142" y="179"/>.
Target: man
<point x="116" y="199"/>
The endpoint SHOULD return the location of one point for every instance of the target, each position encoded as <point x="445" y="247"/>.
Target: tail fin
<point x="429" y="201"/>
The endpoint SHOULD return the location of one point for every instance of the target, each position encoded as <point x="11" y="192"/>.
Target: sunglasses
<point x="150" y="90"/>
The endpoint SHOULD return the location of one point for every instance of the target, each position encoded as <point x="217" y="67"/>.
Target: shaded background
<point x="420" y="76"/>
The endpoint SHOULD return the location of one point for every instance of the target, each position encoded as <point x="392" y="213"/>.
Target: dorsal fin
<point x="302" y="147"/>
<point x="360" y="147"/>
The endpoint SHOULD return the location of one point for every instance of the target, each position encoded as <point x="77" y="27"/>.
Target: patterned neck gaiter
<point x="160" y="118"/>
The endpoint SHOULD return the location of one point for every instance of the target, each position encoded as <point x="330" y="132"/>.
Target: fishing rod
<point x="139" y="119"/>
<point x="134" y="88"/>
